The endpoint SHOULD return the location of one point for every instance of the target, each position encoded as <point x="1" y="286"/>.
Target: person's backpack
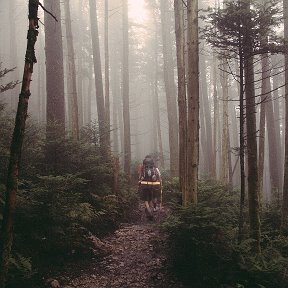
<point x="149" y="172"/>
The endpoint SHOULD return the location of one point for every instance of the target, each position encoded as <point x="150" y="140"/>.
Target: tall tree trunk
<point x="13" y="48"/>
<point x="271" y="131"/>
<point x="182" y="103"/>
<point x="216" y="117"/>
<point x="82" y="109"/>
<point x="107" y="83"/>
<point x="115" y="88"/>
<point x="261" y="141"/>
<point x="54" y="72"/>
<point x="278" y="120"/>
<point x="207" y="116"/>
<point x="253" y="184"/>
<point x="125" y="93"/>
<point x="193" y="102"/>
<point x="98" y="75"/>
<point x="170" y="89"/>
<point x="6" y="236"/>
<point x="72" y="71"/>
<point x="225" y="123"/>
<point x="285" y="184"/>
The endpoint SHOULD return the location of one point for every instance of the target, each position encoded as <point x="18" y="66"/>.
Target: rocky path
<point x="133" y="261"/>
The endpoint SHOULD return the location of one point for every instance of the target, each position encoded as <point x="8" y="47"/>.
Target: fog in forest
<point x="152" y="75"/>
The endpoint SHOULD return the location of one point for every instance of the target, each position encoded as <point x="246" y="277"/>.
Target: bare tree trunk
<point x="13" y="47"/>
<point x="215" y="120"/>
<point x="262" y="133"/>
<point x="207" y="116"/>
<point x="225" y="134"/>
<point x="72" y="71"/>
<point x="98" y="74"/>
<point x="125" y="93"/>
<point x="82" y="109"/>
<point x="6" y="237"/>
<point x="182" y="102"/>
<point x="170" y="89"/>
<point x="285" y="184"/>
<point x="107" y="83"/>
<point x="54" y="72"/>
<point x="193" y="102"/>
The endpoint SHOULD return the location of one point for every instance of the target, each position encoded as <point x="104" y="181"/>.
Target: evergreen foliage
<point x="64" y="196"/>
<point x="203" y="248"/>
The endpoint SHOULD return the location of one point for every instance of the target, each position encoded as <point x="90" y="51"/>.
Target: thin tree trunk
<point x="285" y="184"/>
<point x="98" y="74"/>
<point x="225" y="134"/>
<point x="193" y="102"/>
<point x="215" y="120"/>
<point x="207" y="116"/>
<point x="107" y="83"/>
<point x="72" y="71"/>
<point x="6" y="237"/>
<point x="125" y="93"/>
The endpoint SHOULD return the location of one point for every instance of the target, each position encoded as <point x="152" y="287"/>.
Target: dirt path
<point x="133" y="261"/>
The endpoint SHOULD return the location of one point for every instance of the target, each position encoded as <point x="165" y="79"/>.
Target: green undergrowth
<point x="65" y="196"/>
<point x="203" y="250"/>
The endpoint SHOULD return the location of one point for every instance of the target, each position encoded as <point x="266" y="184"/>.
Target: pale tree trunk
<point x="125" y="92"/>
<point x="157" y="116"/>
<point x="272" y="138"/>
<point x="107" y="83"/>
<point x="115" y="88"/>
<point x="253" y="184"/>
<point x="193" y="102"/>
<point x="71" y="71"/>
<point x="215" y="120"/>
<point x="278" y="120"/>
<point x="225" y="123"/>
<point x="156" y="94"/>
<point x="170" y="88"/>
<point x="203" y="159"/>
<point x="261" y="141"/>
<point x="98" y="75"/>
<point x="182" y="103"/>
<point x="207" y="116"/>
<point x="13" y="47"/>
<point x="54" y="72"/>
<point x="82" y="112"/>
<point x="6" y="236"/>
<point x="285" y="184"/>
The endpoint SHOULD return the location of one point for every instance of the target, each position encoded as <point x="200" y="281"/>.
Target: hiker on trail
<point x="150" y="184"/>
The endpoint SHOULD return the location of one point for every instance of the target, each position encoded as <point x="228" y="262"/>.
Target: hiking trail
<point x="133" y="260"/>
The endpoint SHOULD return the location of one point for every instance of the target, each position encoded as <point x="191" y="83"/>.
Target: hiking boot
<point x="148" y="213"/>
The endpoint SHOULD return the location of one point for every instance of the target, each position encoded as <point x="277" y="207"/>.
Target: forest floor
<point x="134" y="259"/>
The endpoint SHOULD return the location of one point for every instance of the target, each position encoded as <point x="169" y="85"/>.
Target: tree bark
<point x="225" y="123"/>
<point x="72" y="71"/>
<point x="54" y="72"/>
<point x="285" y="184"/>
<point x="125" y="93"/>
<point x="107" y="82"/>
<point x="170" y="89"/>
<point x="98" y="75"/>
<point x="253" y="184"/>
<point x="6" y="237"/>
<point x="193" y="102"/>
<point x="182" y="102"/>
